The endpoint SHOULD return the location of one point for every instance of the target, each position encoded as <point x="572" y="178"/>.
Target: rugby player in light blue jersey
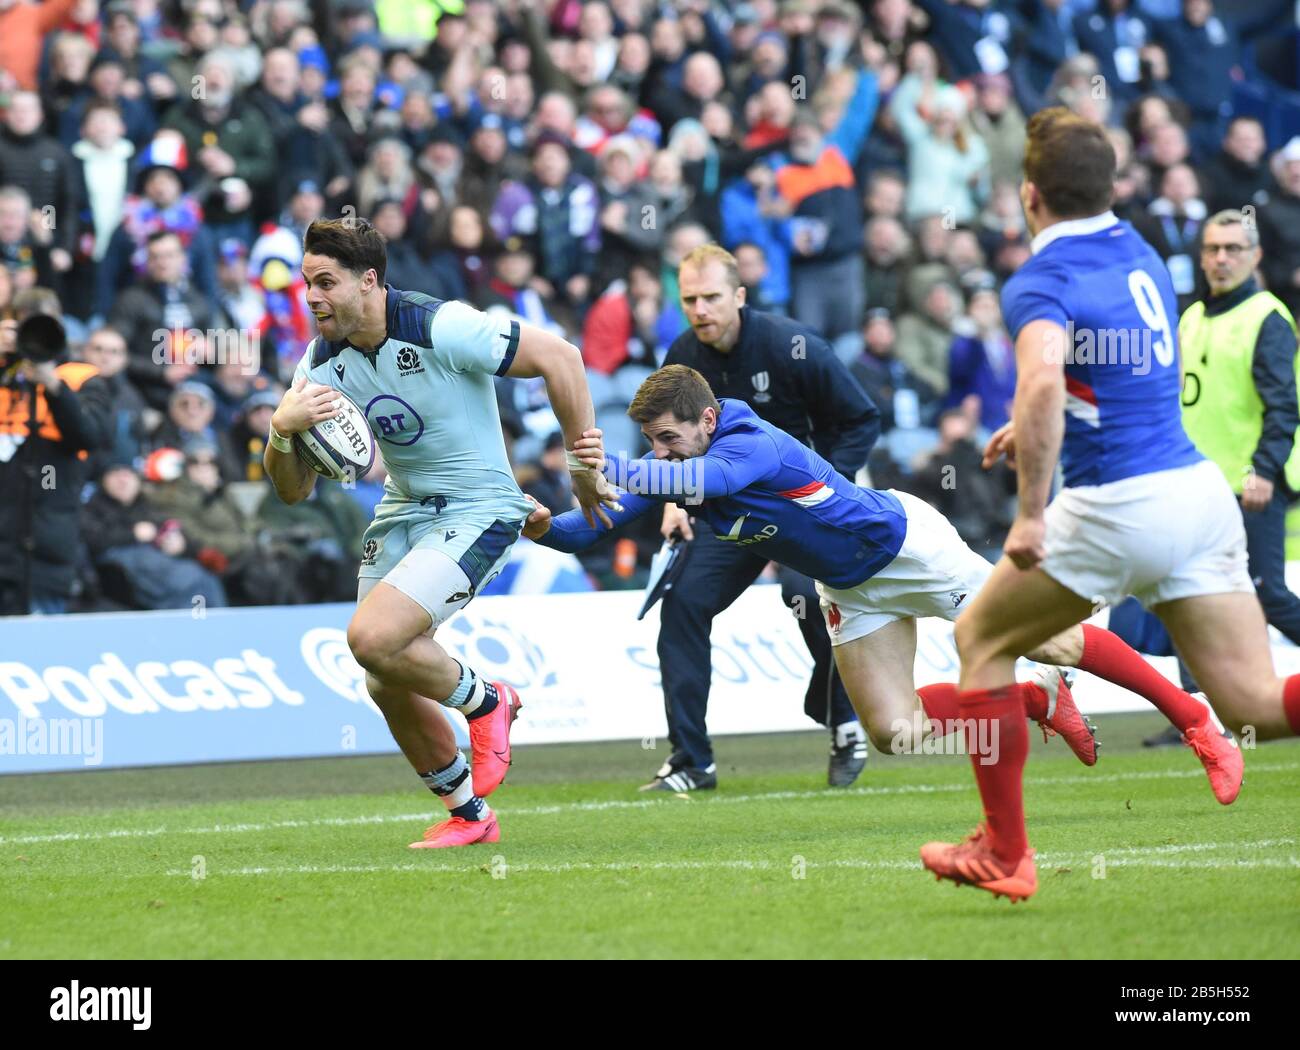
<point x="421" y="369"/>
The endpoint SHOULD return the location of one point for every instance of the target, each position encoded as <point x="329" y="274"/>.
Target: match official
<point x="791" y="377"/>
<point x="1239" y="400"/>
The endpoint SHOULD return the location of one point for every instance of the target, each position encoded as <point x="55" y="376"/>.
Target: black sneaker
<point x="847" y="763"/>
<point x="1167" y="737"/>
<point x="1172" y="736"/>
<point x="684" y="779"/>
<point x="677" y="760"/>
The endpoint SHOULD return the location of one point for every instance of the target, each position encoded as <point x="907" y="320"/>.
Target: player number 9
<point x="1147" y="299"/>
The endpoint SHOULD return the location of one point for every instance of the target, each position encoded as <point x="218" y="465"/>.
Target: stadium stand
<point x="160" y="160"/>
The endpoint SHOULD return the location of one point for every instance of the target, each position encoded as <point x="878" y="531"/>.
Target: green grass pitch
<point x="309" y="859"/>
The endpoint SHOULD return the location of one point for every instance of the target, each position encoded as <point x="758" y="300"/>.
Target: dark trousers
<point x="716" y="574"/>
<point x="1266" y="550"/>
<point x="1266" y="560"/>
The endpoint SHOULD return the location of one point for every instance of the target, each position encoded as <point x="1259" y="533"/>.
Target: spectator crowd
<point x="556" y="159"/>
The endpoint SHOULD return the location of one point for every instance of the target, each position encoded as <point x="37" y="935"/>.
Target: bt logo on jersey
<point x="394" y="421"/>
<point x="390" y="425"/>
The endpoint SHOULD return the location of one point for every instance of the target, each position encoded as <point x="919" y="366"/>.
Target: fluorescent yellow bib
<point x="1222" y="410"/>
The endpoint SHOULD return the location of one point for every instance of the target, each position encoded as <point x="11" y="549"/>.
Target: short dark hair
<point x="648" y="263"/>
<point x="352" y="242"/>
<point x="159" y="235"/>
<point x="1071" y="161"/>
<point x="678" y="389"/>
<point x="100" y="105"/>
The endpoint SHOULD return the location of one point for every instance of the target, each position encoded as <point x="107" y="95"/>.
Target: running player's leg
<point x="877" y="672"/>
<point x="416" y="722"/>
<point x="390" y="636"/>
<point x="1224" y="639"/>
<point x="429" y="744"/>
<point x="1102" y="653"/>
<point x="420" y="728"/>
<point x="438" y="574"/>
<point x="1209" y="605"/>
<point x="872" y="628"/>
<point x="1015" y="612"/>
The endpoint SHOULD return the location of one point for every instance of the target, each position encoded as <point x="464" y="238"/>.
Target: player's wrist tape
<point x="279" y="442"/>
<point x="575" y="464"/>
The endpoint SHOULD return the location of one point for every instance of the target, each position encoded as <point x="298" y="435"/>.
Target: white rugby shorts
<point x="933" y="574"/>
<point x="1158" y="537"/>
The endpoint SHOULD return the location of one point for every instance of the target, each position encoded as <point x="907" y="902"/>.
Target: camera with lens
<point x="39" y="338"/>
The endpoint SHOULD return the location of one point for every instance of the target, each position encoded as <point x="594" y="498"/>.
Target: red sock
<point x="940" y="702"/>
<point x="1035" y="699"/>
<point x="1107" y="656"/>
<point x="1000" y="782"/>
<point x="1291" y="702"/>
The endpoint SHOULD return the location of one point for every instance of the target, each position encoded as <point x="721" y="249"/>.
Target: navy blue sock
<point x="473" y="696"/>
<point x="453" y="785"/>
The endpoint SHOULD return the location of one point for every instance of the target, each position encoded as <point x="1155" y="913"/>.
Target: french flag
<point x="167" y="150"/>
<point x="1081" y="402"/>
<point x="810" y="495"/>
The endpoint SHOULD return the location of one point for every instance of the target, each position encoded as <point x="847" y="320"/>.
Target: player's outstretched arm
<point x="303" y="405"/>
<point x="1038" y="415"/>
<point x="719" y="472"/>
<point x="570" y="532"/>
<point x="559" y="364"/>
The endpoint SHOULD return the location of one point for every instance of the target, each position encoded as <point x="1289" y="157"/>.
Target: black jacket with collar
<point x="790" y="377"/>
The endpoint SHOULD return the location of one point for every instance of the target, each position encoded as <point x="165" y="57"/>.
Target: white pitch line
<point x="617" y="804"/>
<point x="1197" y="847"/>
<point x="1139" y="858"/>
<point x="1289" y="862"/>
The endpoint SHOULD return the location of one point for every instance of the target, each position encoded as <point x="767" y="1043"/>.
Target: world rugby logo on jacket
<point x="762" y="383"/>
<point x="408" y="361"/>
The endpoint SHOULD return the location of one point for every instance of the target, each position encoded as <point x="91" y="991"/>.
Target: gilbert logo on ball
<point x="342" y="447"/>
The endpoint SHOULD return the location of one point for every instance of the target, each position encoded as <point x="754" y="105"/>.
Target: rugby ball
<point x="342" y="447"/>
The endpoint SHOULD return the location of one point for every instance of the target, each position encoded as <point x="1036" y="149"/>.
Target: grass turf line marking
<point x="588" y="807"/>
<point x="1140" y="858"/>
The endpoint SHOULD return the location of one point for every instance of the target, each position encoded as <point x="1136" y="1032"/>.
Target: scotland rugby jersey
<point x="760" y="488"/>
<point x="428" y="394"/>
<point x="1108" y="289"/>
